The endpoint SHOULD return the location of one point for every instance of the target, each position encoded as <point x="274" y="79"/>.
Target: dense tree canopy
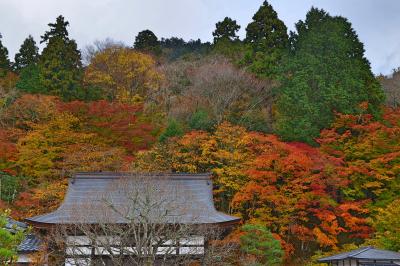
<point x="266" y="31"/>
<point x="40" y="151"/>
<point x="387" y="226"/>
<point x="60" y="63"/>
<point x="268" y="39"/>
<point x="4" y="60"/>
<point x="326" y="73"/>
<point x="260" y="243"/>
<point x="28" y="54"/>
<point x="147" y="41"/>
<point x="226" y="30"/>
<point x="371" y="152"/>
<point x="123" y="74"/>
<point x="244" y="111"/>
<point x="217" y="90"/>
<point x="29" y="80"/>
<point x="293" y="189"/>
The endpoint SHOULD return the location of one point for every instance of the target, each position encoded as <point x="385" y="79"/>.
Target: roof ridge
<point x="140" y="173"/>
<point x="363" y="249"/>
<point x="112" y="175"/>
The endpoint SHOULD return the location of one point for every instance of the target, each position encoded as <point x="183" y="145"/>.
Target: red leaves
<point x="358" y="224"/>
<point x="370" y="152"/>
<point x="41" y="200"/>
<point x="118" y="123"/>
<point x="30" y="109"/>
<point x="8" y="148"/>
<point x="294" y="188"/>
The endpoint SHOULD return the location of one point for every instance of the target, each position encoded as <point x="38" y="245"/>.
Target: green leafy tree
<point x="9" y="240"/>
<point x="226" y="30"/>
<point x="147" y="41"/>
<point x="28" y="54"/>
<point x="325" y="73"/>
<point x="9" y="187"/>
<point x="201" y="120"/>
<point x="4" y="61"/>
<point x="226" y="41"/>
<point x="29" y="80"/>
<point x="174" y="129"/>
<point x="267" y="38"/>
<point x="26" y="64"/>
<point x="259" y="242"/>
<point x="60" y="64"/>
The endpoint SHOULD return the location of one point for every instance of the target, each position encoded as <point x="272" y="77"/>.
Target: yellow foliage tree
<point x="387" y="226"/>
<point x="124" y="74"/>
<point x="92" y="157"/>
<point x="41" y="150"/>
<point x="42" y="199"/>
<point x="224" y="153"/>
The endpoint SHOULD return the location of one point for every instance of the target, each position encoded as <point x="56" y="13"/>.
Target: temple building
<point x="108" y="216"/>
<point x="365" y="256"/>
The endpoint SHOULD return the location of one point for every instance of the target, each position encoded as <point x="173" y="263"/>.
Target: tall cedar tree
<point x="60" y="64"/>
<point x="28" y="54"/>
<point x="268" y="39"/>
<point x="26" y="64"/>
<point x="4" y="61"/>
<point x="325" y="73"/>
<point x="226" y="30"/>
<point x="147" y="41"/>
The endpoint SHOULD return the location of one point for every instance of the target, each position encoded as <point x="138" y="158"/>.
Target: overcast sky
<point x="376" y="21"/>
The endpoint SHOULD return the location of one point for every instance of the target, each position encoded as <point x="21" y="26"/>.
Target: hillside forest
<point x="301" y="138"/>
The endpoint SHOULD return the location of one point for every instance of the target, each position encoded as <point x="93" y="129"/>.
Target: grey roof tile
<point x="364" y="253"/>
<point x="31" y="243"/>
<point x="13" y="225"/>
<point x="84" y="201"/>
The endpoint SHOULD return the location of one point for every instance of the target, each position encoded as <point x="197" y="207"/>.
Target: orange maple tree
<point x="293" y="188"/>
<point x="116" y="123"/>
<point x="370" y="151"/>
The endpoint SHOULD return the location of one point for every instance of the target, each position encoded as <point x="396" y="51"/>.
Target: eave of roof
<point x="364" y="253"/>
<point x="13" y="225"/>
<point x="31" y="243"/>
<point x="84" y="185"/>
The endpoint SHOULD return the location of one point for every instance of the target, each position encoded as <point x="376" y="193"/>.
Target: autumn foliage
<point x="371" y="154"/>
<point x="292" y="188"/>
<point x="295" y="190"/>
<point x="45" y="140"/>
<point x="229" y="109"/>
<point x="310" y="198"/>
<point x="124" y="74"/>
<point x="114" y="122"/>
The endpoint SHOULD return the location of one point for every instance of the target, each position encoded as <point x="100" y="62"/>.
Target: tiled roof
<point x="30" y="244"/>
<point x="85" y="198"/>
<point x="13" y="225"/>
<point x="365" y="253"/>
